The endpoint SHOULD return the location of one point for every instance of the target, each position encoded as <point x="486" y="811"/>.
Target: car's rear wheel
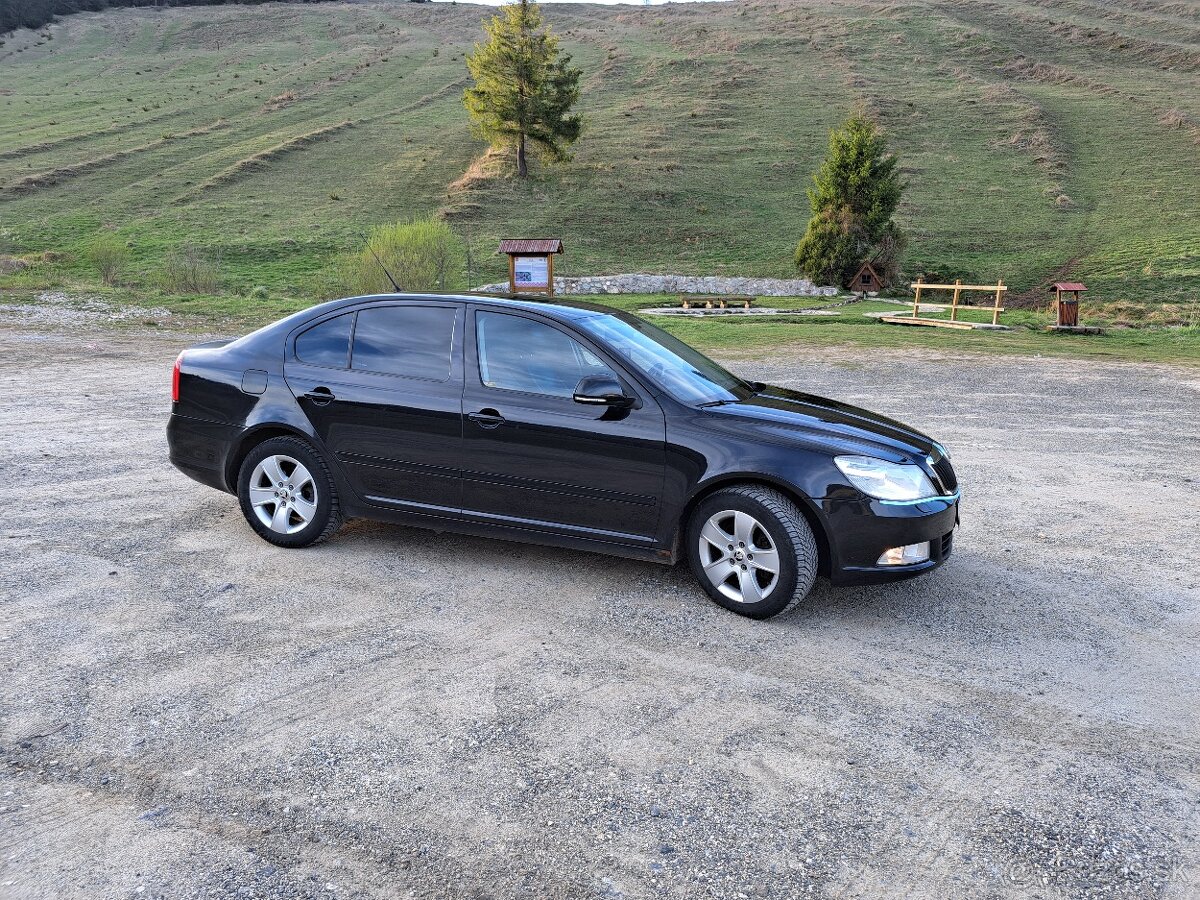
<point x="752" y="550"/>
<point x="287" y="493"/>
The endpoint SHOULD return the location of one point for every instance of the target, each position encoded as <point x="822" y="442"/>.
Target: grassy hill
<point x="1039" y="137"/>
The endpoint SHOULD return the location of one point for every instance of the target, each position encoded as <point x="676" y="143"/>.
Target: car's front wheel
<point x="287" y="493"/>
<point x="752" y="550"/>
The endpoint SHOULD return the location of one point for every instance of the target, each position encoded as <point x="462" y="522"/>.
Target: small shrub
<point x="188" y="270"/>
<point x="109" y="256"/>
<point x="258" y="293"/>
<point x="1173" y="118"/>
<point x="425" y="255"/>
<point x="280" y="101"/>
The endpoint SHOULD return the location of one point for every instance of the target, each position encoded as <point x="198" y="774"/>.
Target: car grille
<point x="947" y="544"/>
<point x="945" y="473"/>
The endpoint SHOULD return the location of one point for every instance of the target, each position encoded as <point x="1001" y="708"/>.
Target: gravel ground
<point x="187" y="711"/>
<point x="55" y="308"/>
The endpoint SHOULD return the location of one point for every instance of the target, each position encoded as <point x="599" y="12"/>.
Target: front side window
<point x="683" y="372"/>
<point x="413" y="341"/>
<point x="517" y="354"/>
<point x="327" y="344"/>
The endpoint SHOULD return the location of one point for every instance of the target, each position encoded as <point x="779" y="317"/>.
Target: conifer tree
<point x="854" y="195"/>
<point x="524" y="86"/>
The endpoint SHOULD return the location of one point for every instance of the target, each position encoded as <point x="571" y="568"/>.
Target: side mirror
<point x="601" y="390"/>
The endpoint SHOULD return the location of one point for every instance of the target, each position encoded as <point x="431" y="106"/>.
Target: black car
<point x="558" y="423"/>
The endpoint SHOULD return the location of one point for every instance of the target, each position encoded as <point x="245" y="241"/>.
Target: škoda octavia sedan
<point x="561" y="423"/>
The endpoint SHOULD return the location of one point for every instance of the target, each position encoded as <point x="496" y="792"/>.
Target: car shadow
<point x="954" y="588"/>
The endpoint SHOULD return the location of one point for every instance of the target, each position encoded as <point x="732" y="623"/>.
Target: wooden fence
<point x="958" y="287"/>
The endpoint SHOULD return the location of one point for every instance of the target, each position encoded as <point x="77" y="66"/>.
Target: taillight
<point x="175" y="379"/>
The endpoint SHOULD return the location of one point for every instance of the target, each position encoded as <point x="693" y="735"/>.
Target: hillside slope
<point x="1039" y="136"/>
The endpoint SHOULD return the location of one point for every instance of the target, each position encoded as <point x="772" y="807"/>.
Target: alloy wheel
<point x="739" y="557"/>
<point x="283" y="494"/>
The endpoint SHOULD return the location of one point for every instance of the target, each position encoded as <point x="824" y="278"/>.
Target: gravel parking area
<point x="187" y="711"/>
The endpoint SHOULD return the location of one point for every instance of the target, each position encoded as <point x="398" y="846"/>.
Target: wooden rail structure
<point x="958" y="287"/>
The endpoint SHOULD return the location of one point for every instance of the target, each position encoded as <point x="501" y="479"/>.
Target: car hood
<point x="807" y="419"/>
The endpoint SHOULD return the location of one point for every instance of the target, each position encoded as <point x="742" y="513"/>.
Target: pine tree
<point x="853" y="197"/>
<point x="524" y="86"/>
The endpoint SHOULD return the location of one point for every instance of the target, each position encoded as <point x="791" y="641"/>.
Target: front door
<point x="382" y="386"/>
<point x="534" y="458"/>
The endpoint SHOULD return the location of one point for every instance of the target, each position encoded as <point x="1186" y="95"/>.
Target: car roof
<point x="569" y="309"/>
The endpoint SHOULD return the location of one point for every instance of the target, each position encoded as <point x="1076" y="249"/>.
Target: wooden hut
<point x="866" y="280"/>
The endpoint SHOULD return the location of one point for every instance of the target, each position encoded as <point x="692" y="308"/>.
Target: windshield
<point x="686" y="374"/>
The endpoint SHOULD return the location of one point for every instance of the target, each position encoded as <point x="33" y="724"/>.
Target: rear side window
<point x="327" y="344"/>
<point x="413" y="341"/>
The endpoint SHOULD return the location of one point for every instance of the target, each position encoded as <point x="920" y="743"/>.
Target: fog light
<point x="905" y="556"/>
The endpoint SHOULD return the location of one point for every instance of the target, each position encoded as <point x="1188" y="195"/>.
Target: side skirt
<point x="448" y="521"/>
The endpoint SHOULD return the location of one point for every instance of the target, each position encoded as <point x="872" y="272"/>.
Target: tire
<point x="287" y="493"/>
<point x="765" y="530"/>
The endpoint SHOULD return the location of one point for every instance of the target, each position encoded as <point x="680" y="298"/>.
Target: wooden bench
<point x="697" y="302"/>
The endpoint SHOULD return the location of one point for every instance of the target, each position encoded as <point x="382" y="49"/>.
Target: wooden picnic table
<point x="716" y="302"/>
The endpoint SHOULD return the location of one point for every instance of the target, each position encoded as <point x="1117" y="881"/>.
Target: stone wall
<point x="682" y="284"/>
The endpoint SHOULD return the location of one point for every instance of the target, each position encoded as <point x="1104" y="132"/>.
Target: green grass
<point x="1179" y="346"/>
<point x="848" y="327"/>
<point x="1039" y="137"/>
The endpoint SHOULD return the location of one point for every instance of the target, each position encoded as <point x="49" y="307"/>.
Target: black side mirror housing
<point x="602" y="390"/>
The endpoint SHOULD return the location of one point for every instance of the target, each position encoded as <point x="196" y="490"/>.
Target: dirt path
<point x="186" y="710"/>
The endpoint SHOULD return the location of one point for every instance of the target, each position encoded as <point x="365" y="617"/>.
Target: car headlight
<point x="885" y="480"/>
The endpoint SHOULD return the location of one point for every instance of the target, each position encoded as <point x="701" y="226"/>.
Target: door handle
<point x="320" y="396"/>
<point x="486" y="418"/>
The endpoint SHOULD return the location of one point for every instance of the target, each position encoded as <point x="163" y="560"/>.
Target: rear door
<point x="533" y="458"/>
<point x="382" y="386"/>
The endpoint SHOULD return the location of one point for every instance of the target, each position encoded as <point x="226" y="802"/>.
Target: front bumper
<point x="861" y="530"/>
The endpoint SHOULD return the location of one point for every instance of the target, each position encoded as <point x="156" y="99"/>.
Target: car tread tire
<point x="328" y="518"/>
<point x="789" y="529"/>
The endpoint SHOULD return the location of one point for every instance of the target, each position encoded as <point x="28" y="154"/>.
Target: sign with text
<point x="531" y="271"/>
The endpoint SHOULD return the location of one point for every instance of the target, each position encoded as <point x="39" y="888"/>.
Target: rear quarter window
<point x="327" y="344"/>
